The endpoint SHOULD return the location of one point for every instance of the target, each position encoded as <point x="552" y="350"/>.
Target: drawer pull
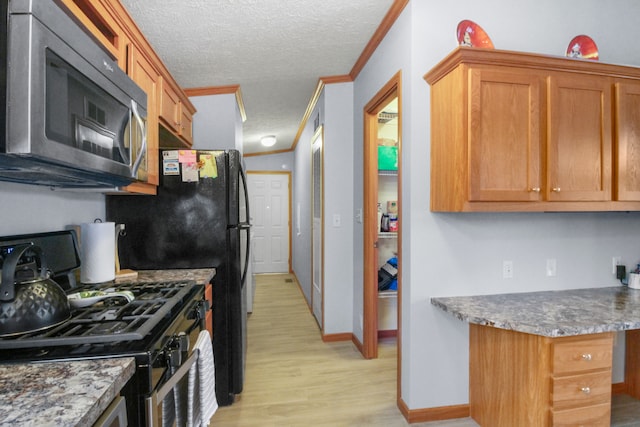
<point x="556" y="189"/>
<point x="585" y="390"/>
<point x="535" y="189"/>
<point x="586" y="357"/>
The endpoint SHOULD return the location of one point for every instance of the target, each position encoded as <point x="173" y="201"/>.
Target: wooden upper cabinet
<point x="102" y="24"/>
<point x="169" y="106"/>
<point x="504" y="135"/>
<point x="580" y="151"/>
<point x="627" y="131"/>
<point x="175" y="115"/>
<point x="186" y="124"/>
<point x="514" y="131"/>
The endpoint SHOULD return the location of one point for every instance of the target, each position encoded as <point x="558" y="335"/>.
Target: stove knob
<point x="197" y="312"/>
<point x="173" y="356"/>
<point x="182" y="341"/>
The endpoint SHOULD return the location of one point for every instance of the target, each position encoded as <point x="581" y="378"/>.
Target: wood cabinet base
<point x="518" y="379"/>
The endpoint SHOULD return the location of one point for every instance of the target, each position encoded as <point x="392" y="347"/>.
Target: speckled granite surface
<point x="60" y="394"/>
<point x="201" y="276"/>
<point x="550" y="313"/>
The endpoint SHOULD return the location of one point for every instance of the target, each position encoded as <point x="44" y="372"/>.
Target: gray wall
<point x="215" y="124"/>
<point x="334" y="109"/>
<point x="462" y="254"/>
<point x="271" y="162"/>
<point x="33" y="209"/>
<point x="338" y="200"/>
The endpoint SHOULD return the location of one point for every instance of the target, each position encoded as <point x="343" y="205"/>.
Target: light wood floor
<point x="294" y="379"/>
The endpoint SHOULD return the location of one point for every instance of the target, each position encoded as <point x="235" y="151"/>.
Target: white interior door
<point x="317" y="228"/>
<point x="269" y="201"/>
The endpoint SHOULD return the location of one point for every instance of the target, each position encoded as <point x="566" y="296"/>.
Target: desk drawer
<point x="577" y="355"/>
<point x="592" y="416"/>
<point x="581" y="390"/>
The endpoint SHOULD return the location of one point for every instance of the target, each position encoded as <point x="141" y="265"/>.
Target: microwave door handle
<point x="143" y="146"/>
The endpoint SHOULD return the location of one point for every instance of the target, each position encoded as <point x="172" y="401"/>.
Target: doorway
<point x="382" y="285"/>
<point x="270" y="201"/>
<point x="317" y="226"/>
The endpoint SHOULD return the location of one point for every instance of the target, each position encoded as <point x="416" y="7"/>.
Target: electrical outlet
<point x="615" y="262"/>
<point x="507" y="269"/>
<point x="551" y="267"/>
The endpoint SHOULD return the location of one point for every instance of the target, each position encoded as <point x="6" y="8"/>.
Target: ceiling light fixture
<point x="268" y="141"/>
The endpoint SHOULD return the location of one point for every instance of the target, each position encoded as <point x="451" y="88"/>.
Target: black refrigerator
<point x="198" y="219"/>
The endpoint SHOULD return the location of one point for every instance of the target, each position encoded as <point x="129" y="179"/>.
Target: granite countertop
<point x="201" y="276"/>
<point x="60" y="394"/>
<point x="550" y="313"/>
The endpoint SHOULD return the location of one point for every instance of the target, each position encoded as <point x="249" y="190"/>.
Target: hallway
<point x="295" y="379"/>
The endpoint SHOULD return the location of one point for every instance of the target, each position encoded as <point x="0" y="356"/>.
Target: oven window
<point x="82" y="115"/>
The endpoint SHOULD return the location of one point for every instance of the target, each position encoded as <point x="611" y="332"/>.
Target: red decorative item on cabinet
<point x="471" y="34"/>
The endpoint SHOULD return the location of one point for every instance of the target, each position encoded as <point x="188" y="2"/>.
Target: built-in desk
<point x="544" y="358"/>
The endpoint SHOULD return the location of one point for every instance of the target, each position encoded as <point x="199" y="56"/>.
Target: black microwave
<point x="70" y="116"/>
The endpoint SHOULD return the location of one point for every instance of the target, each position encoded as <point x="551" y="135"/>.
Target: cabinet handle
<point x="556" y="189"/>
<point x="585" y="390"/>
<point x="586" y="357"/>
<point x="535" y="189"/>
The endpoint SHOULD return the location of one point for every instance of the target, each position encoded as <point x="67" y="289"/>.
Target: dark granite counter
<point x="60" y="394"/>
<point x="550" y="313"/>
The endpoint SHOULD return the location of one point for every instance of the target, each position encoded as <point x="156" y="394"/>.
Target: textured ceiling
<point x="274" y="49"/>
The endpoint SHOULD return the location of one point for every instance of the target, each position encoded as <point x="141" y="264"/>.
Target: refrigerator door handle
<point x="245" y="225"/>
<point x="246" y="194"/>
<point x="247" y="255"/>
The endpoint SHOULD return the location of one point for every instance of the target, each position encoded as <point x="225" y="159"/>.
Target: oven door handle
<point x="157" y="397"/>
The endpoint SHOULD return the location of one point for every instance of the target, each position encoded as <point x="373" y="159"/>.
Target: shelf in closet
<point x="388" y="173"/>
<point x="387" y="294"/>
<point x="387" y="234"/>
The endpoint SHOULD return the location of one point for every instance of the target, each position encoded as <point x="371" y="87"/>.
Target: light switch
<point x="359" y="216"/>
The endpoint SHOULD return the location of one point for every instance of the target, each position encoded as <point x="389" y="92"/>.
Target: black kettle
<point x="30" y="304"/>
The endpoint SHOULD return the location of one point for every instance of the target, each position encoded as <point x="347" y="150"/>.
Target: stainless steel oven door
<point x="167" y="405"/>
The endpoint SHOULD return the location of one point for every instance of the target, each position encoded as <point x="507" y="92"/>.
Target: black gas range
<point x="158" y="327"/>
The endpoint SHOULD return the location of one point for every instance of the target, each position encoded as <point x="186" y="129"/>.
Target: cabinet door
<point x="504" y="135"/>
<point x="186" y="124"/>
<point x="169" y="106"/>
<point x="579" y="138"/>
<point x="143" y="73"/>
<point x="628" y="137"/>
<point x="97" y="18"/>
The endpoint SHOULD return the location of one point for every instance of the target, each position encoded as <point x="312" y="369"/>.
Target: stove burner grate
<point x="107" y="328"/>
<point x="105" y="323"/>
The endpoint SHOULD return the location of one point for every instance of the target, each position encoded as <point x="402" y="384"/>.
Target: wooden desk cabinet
<point x="518" y="379"/>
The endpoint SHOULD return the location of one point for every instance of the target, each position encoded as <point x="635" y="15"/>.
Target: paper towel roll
<point x="98" y="252"/>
